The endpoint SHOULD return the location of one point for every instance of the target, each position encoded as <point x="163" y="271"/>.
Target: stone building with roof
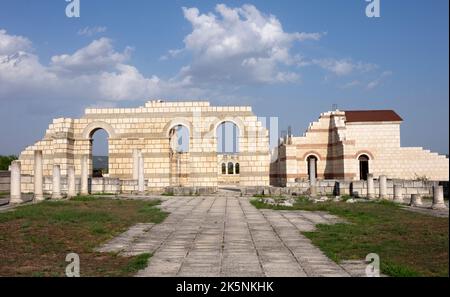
<point x="348" y="145"/>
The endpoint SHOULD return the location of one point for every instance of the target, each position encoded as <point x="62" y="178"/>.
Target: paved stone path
<point x="227" y="236"/>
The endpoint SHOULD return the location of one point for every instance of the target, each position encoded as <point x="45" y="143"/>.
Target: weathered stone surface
<point x="438" y="197"/>
<point x="227" y="236"/>
<point x="416" y="200"/>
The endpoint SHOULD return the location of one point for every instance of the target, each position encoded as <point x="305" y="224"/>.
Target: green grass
<point x="4" y="194"/>
<point x="137" y="263"/>
<point x="408" y="243"/>
<point x="34" y="239"/>
<point x="167" y="194"/>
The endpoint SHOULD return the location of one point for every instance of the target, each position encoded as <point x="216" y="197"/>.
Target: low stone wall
<point x="191" y="191"/>
<point x="352" y="188"/>
<point x="5" y="181"/>
<point x="109" y="185"/>
<point x="95" y="185"/>
<point x="105" y="185"/>
<point x="359" y="188"/>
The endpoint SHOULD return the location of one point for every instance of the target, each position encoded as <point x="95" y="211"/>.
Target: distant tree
<point x="5" y="161"/>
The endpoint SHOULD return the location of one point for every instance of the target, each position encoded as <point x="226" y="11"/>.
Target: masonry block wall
<point x="147" y="128"/>
<point x="338" y="141"/>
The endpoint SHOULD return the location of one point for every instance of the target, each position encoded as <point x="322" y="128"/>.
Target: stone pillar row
<point x="416" y="199"/>
<point x="16" y="180"/>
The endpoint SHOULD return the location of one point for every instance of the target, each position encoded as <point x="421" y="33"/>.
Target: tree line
<point x="5" y="161"/>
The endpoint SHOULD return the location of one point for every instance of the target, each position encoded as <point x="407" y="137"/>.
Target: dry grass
<point x="35" y="239"/>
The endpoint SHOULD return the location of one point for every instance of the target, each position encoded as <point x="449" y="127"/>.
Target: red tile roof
<point x="372" y="116"/>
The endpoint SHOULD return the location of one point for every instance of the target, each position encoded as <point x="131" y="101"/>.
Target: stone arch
<point x="364" y="152"/>
<point x="94" y="126"/>
<point x="237" y="121"/>
<point x="176" y="122"/>
<point x="312" y="153"/>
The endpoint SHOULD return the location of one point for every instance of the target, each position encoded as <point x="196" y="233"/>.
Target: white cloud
<point x="97" y="56"/>
<point x="239" y="45"/>
<point x="10" y="44"/>
<point x="95" y="73"/>
<point x="229" y="48"/>
<point x="90" y="31"/>
<point x="344" y="66"/>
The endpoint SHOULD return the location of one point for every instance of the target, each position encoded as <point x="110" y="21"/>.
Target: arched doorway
<point x="363" y="167"/>
<point x="227" y="138"/>
<point x="99" y="152"/>
<point x="179" y="140"/>
<point x="312" y="167"/>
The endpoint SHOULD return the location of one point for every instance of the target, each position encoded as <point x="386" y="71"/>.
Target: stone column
<point x="438" y="198"/>
<point x="38" y="178"/>
<point x="312" y="176"/>
<point x="135" y="164"/>
<point x="56" y="189"/>
<point x="71" y="191"/>
<point x="312" y="171"/>
<point x="370" y="187"/>
<point x="398" y="194"/>
<point x="416" y="200"/>
<point x="84" y="176"/>
<point x="383" y="187"/>
<point x="141" y="179"/>
<point x="16" y="182"/>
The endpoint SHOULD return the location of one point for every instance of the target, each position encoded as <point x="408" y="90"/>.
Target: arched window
<point x="224" y="168"/>
<point x="179" y="139"/>
<point x="227" y="138"/>
<point x="230" y="168"/>
<point x="363" y="167"/>
<point x="236" y="168"/>
<point x="99" y="152"/>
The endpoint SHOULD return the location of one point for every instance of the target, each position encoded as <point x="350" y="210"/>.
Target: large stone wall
<point x="147" y="128"/>
<point x="337" y="145"/>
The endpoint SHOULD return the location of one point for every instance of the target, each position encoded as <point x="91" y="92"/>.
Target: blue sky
<point x="308" y="56"/>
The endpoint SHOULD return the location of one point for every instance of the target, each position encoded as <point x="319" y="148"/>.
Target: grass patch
<point x="408" y="243"/>
<point x="35" y="239"/>
<point x="167" y="194"/>
<point x="137" y="263"/>
<point x="4" y="194"/>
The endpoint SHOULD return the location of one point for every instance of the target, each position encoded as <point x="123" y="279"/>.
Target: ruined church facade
<point x="144" y="153"/>
<point x="149" y="132"/>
